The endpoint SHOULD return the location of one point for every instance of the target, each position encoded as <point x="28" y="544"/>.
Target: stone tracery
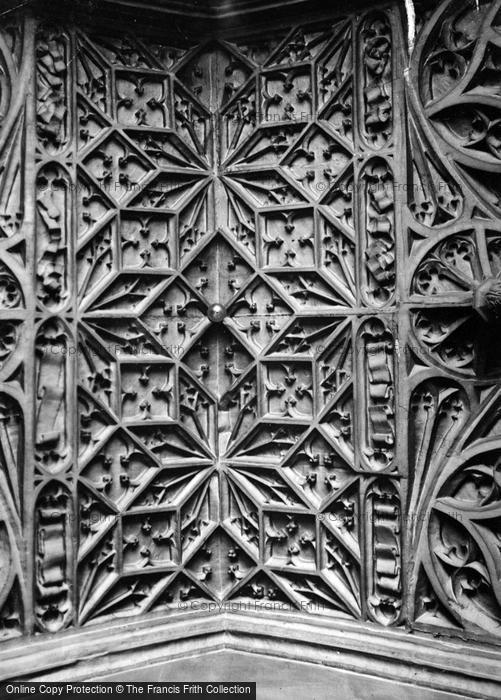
<point x="229" y="285"/>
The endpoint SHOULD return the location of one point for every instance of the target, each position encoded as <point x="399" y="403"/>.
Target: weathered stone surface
<point x="249" y="320"/>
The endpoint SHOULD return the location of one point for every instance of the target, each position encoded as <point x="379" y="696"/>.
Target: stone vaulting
<point x="249" y="333"/>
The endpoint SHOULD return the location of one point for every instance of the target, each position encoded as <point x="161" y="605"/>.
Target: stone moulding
<point x="392" y="654"/>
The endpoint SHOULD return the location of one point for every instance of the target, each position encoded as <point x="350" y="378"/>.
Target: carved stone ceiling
<point x="249" y="343"/>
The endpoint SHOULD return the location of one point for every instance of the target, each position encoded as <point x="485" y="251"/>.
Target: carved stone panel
<point x="15" y="308"/>
<point x="249" y="322"/>
<point x="212" y="327"/>
<point x="453" y="234"/>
